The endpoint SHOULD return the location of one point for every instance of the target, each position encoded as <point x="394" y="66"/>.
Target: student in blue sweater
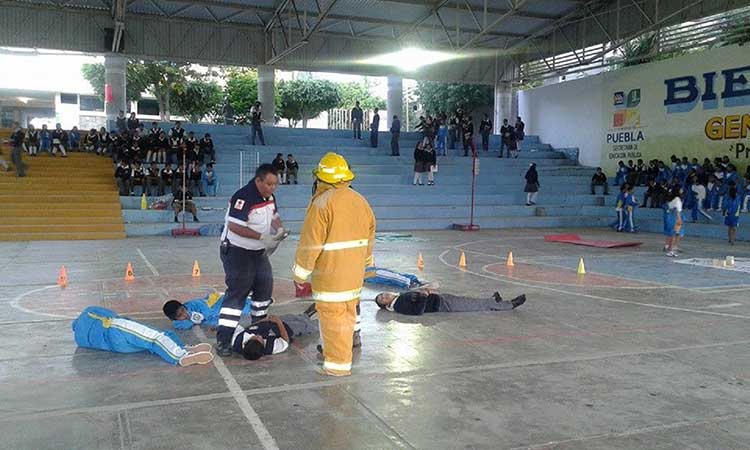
<point x="199" y="311"/>
<point x="416" y="303"/>
<point x="622" y="173"/>
<point x="731" y="208"/>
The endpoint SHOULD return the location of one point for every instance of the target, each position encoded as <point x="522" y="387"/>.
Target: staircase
<point x="61" y="199"/>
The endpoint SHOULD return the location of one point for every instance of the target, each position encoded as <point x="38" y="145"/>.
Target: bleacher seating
<point x="564" y="199"/>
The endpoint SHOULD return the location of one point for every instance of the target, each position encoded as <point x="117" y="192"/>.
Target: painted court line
<point x="269" y="443"/>
<point x="441" y="257"/>
<point x="148" y="263"/>
<point x="361" y="378"/>
<point x="728" y="305"/>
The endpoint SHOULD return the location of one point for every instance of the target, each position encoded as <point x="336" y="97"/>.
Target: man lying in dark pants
<point x="416" y="303"/>
<point x="273" y="334"/>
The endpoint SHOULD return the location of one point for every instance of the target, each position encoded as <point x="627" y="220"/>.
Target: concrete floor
<point x="641" y="353"/>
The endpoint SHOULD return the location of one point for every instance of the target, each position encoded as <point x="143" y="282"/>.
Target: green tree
<point x="198" y="99"/>
<point x="358" y="92"/>
<point x="447" y="97"/>
<point x="304" y="99"/>
<point x="94" y="74"/>
<point x="165" y="79"/>
<point x="242" y="91"/>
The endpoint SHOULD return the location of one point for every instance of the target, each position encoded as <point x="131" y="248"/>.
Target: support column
<point x="506" y="105"/>
<point x="395" y="100"/>
<point x="266" y="86"/>
<point x="115" y="82"/>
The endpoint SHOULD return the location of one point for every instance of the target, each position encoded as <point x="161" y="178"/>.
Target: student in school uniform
<point x="206" y="146"/>
<point x="167" y="179"/>
<point x="272" y="335"/>
<point x="746" y="194"/>
<point x="91" y="141"/>
<point x="673" y="223"/>
<point x="699" y="197"/>
<point x="74" y="139"/>
<point x="663" y="173"/>
<point x="31" y="141"/>
<point x="713" y="189"/>
<point x="641" y="171"/>
<point x="423" y="301"/>
<point x="291" y="169"/>
<point x="122" y="177"/>
<point x="153" y="180"/>
<point x="137" y="178"/>
<point x="203" y="311"/>
<point x="196" y="177"/>
<point x="632" y="176"/>
<point x="103" y="329"/>
<point x="731" y="209"/>
<point x="210" y="181"/>
<point x="599" y="179"/>
<point x="279" y="165"/>
<point x="192" y="148"/>
<point x="188" y="206"/>
<point x="654" y="192"/>
<point x="177" y="131"/>
<point x="625" y="206"/>
<point x="176" y="149"/>
<point x="45" y="139"/>
<point x="104" y="142"/>
<point x="160" y="149"/>
<point x="622" y="173"/>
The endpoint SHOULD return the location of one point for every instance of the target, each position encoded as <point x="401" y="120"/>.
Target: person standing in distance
<point x="374" y="127"/>
<point x="356" y="116"/>
<point x="252" y="231"/>
<point x="335" y="247"/>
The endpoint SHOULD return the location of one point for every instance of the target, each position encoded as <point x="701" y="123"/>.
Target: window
<point x="69" y="99"/>
<point x="91" y="103"/>
<point x="148" y="107"/>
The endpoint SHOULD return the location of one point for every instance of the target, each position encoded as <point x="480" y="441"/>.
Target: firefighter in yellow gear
<point x="335" y="247"/>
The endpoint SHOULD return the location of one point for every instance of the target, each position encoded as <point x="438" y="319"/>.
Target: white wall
<point x="567" y="114"/>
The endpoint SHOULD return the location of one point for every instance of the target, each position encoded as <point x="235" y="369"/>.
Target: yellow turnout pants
<point x="337" y="320"/>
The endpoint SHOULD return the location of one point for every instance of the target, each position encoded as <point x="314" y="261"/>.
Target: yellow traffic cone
<point x="196" y="269"/>
<point x="509" y="261"/>
<point x="581" y="267"/>
<point x="129" y="275"/>
<point x="462" y="260"/>
<point x="144" y="202"/>
<point x="62" y="278"/>
<point x="420" y="262"/>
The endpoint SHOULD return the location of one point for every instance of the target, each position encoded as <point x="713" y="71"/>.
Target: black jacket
<point x="415" y="303"/>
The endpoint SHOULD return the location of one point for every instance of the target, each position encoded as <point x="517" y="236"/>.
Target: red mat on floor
<point x="576" y="240"/>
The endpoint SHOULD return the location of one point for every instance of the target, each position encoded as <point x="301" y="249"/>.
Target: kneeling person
<point x="273" y="334"/>
<point x="102" y="329"/>
<point x="416" y="303"/>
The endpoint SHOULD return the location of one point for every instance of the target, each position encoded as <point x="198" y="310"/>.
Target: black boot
<point x="518" y="301"/>
<point x="497" y="297"/>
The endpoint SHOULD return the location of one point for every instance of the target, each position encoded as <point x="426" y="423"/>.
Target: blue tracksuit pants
<point x="102" y="329"/>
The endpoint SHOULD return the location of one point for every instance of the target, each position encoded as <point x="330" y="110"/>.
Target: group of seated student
<point x="287" y="169"/>
<point x="156" y="163"/>
<point x="704" y="187"/>
<point x="51" y="141"/>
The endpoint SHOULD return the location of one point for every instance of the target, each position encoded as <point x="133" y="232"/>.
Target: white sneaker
<point x="671" y="254"/>
<point x="196" y="358"/>
<point x="202" y="347"/>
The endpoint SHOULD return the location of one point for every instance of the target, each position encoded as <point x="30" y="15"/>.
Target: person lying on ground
<point x="102" y="329"/>
<point x="380" y="275"/>
<point x="199" y="311"/>
<point x="418" y="302"/>
<point x="273" y="334"/>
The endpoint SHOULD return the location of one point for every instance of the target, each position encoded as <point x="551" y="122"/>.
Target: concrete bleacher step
<point x="61" y="198"/>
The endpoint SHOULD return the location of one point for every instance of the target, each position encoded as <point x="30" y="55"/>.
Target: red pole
<point x="473" y="178"/>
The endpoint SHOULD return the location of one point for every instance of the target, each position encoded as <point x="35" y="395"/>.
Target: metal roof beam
<point x="496" y="22"/>
<point x="490" y="10"/>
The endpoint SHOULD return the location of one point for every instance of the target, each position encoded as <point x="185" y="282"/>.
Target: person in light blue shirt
<point x="198" y="311"/>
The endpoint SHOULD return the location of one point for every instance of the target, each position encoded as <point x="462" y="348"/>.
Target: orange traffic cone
<point x="420" y="262"/>
<point x="129" y="275"/>
<point x="196" y="269"/>
<point x="462" y="260"/>
<point x="62" y="279"/>
<point x="509" y="261"/>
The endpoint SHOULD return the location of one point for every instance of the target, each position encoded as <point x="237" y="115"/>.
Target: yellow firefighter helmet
<point x="333" y="169"/>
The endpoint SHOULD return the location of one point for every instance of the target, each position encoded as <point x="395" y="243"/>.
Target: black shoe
<point x="518" y="301"/>
<point x="175" y="219"/>
<point x="320" y="348"/>
<point x="195" y="219"/>
<point x="223" y="350"/>
<point x="497" y="297"/>
<point x="310" y="311"/>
